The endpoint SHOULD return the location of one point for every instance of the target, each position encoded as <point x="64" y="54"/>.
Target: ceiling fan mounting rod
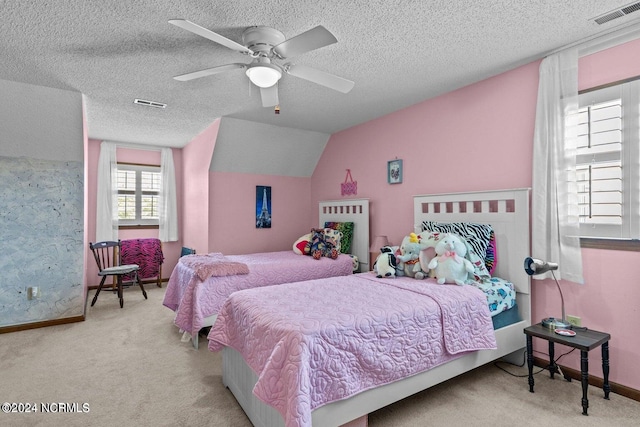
<point x="261" y="39"/>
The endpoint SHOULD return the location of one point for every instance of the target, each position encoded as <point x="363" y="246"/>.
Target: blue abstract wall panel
<point x="41" y="239"/>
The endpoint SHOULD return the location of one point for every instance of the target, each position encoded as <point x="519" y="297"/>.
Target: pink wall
<point x="611" y="65"/>
<point x="220" y="215"/>
<point x="232" y="227"/>
<point x="480" y="138"/>
<point x="487" y="125"/>
<point x="197" y="158"/>
<point x="171" y="250"/>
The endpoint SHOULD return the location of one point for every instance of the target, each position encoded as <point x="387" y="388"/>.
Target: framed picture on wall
<point x="394" y="171"/>
<point x="263" y="206"/>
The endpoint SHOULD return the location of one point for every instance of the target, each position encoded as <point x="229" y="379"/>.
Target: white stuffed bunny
<point x="450" y="264"/>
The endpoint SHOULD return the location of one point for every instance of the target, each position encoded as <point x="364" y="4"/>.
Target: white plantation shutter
<point x="608" y="162"/>
<point x="138" y="194"/>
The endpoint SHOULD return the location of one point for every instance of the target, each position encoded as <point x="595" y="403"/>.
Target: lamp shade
<point x="378" y="243"/>
<point x="264" y="75"/>
<point x="533" y="266"/>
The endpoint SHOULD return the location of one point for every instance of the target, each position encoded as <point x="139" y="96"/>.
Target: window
<point x="138" y="194"/>
<point x="608" y="162"/>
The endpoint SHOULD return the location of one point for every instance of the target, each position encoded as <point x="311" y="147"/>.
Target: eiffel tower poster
<point x="263" y="206"/>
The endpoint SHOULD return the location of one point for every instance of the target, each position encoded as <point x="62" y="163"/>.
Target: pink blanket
<point x="147" y="253"/>
<point x="326" y="340"/>
<point x="214" y="264"/>
<point x="193" y="299"/>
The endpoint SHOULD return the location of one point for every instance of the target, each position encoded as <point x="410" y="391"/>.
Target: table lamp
<point x="533" y="266"/>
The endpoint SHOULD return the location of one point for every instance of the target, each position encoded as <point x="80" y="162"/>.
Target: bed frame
<point x="507" y="211"/>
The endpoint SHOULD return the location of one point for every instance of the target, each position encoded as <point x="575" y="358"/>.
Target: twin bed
<point x="200" y="284"/>
<point x="327" y="352"/>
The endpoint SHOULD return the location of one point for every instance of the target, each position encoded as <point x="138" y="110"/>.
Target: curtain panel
<point x="555" y="220"/>
<point x="107" y="194"/>
<point x="168" y="212"/>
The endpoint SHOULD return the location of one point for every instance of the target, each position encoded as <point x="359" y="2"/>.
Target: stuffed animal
<point x="319" y="246"/>
<point x="450" y="265"/>
<point x="335" y="236"/>
<point x="385" y="264"/>
<point x="300" y="244"/>
<point x="409" y="256"/>
<point x="399" y="264"/>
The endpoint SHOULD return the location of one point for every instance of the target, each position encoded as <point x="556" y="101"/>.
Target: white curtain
<point x="106" y="211"/>
<point x="555" y="226"/>
<point x="168" y="209"/>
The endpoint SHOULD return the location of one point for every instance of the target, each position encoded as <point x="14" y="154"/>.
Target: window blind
<point x="608" y="162"/>
<point x="138" y="194"/>
<point x="599" y="163"/>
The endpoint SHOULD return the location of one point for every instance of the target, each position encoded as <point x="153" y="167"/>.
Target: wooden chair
<point x="107" y="256"/>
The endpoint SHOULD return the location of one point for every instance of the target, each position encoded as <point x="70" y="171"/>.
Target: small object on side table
<point x="565" y="332"/>
<point x="584" y="340"/>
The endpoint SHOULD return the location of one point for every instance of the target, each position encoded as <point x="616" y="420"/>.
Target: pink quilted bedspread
<point x="193" y="300"/>
<point x="326" y="340"/>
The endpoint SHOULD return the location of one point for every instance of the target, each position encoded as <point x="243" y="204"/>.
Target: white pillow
<point x="299" y="245"/>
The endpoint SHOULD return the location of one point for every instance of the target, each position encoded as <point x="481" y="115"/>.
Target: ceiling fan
<point x="267" y="46"/>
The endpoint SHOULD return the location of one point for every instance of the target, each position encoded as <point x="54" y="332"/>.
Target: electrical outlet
<point x="574" y="320"/>
<point x="33" y="292"/>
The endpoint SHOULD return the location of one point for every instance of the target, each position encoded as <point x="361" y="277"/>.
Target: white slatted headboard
<point x="351" y="210"/>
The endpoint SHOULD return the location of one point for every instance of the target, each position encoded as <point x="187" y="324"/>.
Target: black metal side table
<point x="584" y="340"/>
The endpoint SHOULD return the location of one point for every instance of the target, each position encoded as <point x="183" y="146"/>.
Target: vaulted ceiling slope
<point x="248" y="147"/>
<point x="398" y="53"/>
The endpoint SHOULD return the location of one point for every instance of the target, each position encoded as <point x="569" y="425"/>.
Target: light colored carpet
<point x="131" y="368"/>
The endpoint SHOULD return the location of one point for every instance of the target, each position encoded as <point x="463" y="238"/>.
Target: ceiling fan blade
<point x="209" y="72"/>
<point x="208" y="34"/>
<point x="320" y="77"/>
<point x="269" y="96"/>
<point x="310" y="40"/>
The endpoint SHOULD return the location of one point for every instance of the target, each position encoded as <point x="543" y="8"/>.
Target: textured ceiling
<point x="398" y="53"/>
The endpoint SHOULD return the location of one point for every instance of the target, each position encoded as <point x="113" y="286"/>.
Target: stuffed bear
<point x="450" y="265"/>
<point x="335" y="236"/>
<point x="385" y="264"/>
<point x="409" y="256"/>
<point x="319" y="246"/>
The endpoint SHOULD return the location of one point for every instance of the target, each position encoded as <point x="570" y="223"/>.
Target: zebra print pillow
<point x="478" y="235"/>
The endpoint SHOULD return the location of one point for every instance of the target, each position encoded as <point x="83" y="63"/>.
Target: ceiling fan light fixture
<point x="264" y="75"/>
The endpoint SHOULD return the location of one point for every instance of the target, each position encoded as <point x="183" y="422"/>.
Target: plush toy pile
<point x="321" y="245"/>
<point x="447" y="257"/>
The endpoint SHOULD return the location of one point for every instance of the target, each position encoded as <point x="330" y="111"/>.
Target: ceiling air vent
<point x="617" y="13"/>
<point x="149" y="103"/>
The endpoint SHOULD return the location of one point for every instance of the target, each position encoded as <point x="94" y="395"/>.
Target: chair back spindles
<point x="106" y="254"/>
<point x="107" y="257"/>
